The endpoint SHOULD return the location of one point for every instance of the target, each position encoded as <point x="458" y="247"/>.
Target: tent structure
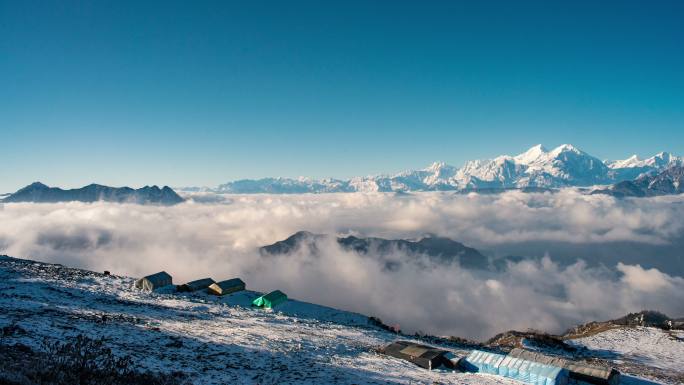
<point x="483" y="362"/>
<point x="578" y="372"/>
<point x="154" y="281"/>
<point x="226" y="287"/>
<point x="537" y="357"/>
<point x="270" y="300"/>
<point x="532" y="372"/>
<point x="424" y="356"/>
<point x="516" y="368"/>
<point x="198" y="284"/>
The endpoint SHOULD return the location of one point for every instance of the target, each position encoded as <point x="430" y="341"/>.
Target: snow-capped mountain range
<point x="564" y="166"/>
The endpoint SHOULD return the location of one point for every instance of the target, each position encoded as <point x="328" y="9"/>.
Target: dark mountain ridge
<point x="39" y="193"/>
<point x="438" y="249"/>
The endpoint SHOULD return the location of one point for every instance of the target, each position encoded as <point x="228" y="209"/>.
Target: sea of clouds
<point x="219" y="236"/>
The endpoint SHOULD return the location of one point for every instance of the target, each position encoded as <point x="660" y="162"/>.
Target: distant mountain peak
<point x="534" y="153"/>
<point x="631" y="162"/>
<point x="436" y="166"/>
<point x="567" y="148"/>
<point x="36" y="185"/>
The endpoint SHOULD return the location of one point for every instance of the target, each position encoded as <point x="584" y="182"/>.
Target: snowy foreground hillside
<point x="212" y="340"/>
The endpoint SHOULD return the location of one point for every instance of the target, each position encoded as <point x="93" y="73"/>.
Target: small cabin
<point x="154" y="281"/>
<point x="424" y="356"/>
<point x="227" y="286"/>
<point x="198" y="284"/>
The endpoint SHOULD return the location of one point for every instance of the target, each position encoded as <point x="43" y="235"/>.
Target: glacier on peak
<point x="529" y="156"/>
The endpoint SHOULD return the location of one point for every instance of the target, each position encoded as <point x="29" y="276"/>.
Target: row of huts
<point x="519" y="364"/>
<point x="228" y="286"/>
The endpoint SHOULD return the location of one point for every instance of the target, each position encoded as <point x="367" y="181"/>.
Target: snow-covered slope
<point x="221" y="340"/>
<point x="212" y="340"/>
<point x="647" y="350"/>
<point x="562" y="166"/>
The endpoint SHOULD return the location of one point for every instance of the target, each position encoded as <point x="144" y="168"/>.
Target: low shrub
<point x="78" y="360"/>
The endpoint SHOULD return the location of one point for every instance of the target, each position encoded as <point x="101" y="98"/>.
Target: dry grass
<point x="590" y="329"/>
<point x="79" y="360"/>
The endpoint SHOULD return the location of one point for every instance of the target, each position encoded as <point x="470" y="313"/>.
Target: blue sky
<point x="199" y="93"/>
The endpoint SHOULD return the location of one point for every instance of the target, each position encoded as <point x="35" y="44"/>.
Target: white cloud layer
<point x="220" y="237"/>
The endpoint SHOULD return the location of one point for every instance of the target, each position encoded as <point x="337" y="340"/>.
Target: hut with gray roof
<point x="424" y="356"/>
<point x="154" y="281"/>
<point x="198" y="284"/>
<point x="227" y="286"/>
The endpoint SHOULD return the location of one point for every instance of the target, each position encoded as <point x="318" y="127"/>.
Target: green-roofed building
<point x="271" y="299"/>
